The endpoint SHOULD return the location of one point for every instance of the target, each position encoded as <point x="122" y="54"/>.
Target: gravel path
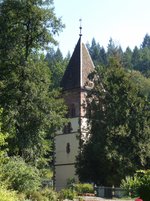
<point x="86" y="198"/>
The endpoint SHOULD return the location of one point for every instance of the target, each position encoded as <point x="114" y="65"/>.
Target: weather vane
<point x="80" y="27"/>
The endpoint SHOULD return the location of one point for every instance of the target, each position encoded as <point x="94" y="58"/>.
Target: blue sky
<point x="126" y="21"/>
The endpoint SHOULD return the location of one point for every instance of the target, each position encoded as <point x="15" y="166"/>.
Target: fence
<point x="110" y="192"/>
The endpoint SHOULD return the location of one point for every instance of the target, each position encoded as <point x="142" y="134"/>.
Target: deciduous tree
<point x="119" y="141"/>
<point x="32" y="111"/>
<point x="57" y="65"/>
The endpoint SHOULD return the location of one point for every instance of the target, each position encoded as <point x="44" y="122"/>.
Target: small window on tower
<point x="67" y="128"/>
<point x="68" y="148"/>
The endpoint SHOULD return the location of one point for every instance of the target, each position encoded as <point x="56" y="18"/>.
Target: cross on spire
<point x="80" y="27"/>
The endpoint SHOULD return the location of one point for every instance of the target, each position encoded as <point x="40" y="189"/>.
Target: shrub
<point x="20" y="176"/>
<point x="67" y="194"/>
<point x="7" y="195"/>
<point x="84" y="188"/>
<point x="70" y="183"/>
<point x="21" y="196"/>
<point x="143" y="189"/>
<point x="36" y="196"/>
<point x="130" y="184"/>
<point x="49" y="194"/>
<point x="46" y="194"/>
<point x="139" y="184"/>
<point x="27" y="200"/>
<point x="3" y="143"/>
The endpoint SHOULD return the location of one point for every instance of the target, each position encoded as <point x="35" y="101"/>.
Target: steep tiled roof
<point x="78" y="69"/>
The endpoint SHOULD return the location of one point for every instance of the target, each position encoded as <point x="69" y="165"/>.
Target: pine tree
<point x="146" y="41"/>
<point x="126" y="60"/>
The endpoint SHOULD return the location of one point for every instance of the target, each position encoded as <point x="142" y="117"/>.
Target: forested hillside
<point x="136" y="59"/>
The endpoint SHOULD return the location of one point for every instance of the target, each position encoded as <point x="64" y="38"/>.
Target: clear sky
<point x="126" y="21"/>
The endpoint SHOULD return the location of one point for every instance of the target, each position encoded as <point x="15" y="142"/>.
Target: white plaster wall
<point x="75" y="124"/>
<point x="64" y="173"/>
<point x="62" y="157"/>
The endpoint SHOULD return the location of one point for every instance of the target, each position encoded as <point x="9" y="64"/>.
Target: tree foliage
<point x="57" y="65"/>
<point x="27" y="26"/>
<point x="119" y="141"/>
<point x="142" y="82"/>
<point x="146" y="41"/>
<point x="137" y="59"/>
<point x="3" y="143"/>
<point x="97" y="53"/>
<point x="138" y="185"/>
<point x="32" y="110"/>
<point x="20" y="176"/>
<point x="7" y="195"/>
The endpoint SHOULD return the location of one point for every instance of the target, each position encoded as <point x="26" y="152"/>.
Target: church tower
<point x="75" y="84"/>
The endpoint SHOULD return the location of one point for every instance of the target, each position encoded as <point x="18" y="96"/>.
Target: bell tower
<point x="67" y="141"/>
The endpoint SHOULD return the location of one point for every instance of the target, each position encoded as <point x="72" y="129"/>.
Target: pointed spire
<point x="80" y="27"/>
<point x="79" y="67"/>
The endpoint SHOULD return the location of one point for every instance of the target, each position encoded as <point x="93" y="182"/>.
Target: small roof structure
<point x="78" y="69"/>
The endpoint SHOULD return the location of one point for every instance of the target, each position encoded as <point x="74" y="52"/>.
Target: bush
<point x="7" y="195"/>
<point x="20" y="176"/>
<point x="46" y="194"/>
<point x="139" y="184"/>
<point x="74" y="189"/>
<point x="49" y="194"/>
<point x="26" y="200"/>
<point x="144" y="192"/>
<point x="67" y="194"/>
<point x="3" y="143"/>
<point x="84" y="188"/>
<point x="143" y="189"/>
<point x="130" y="184"/>
<point x="21" y="196"/>
<point x="36" y="196"/>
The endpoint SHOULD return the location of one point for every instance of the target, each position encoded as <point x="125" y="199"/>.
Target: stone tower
<point x="75" y="84"/>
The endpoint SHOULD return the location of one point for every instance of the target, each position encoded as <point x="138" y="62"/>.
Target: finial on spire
<point x="80" y="27"/>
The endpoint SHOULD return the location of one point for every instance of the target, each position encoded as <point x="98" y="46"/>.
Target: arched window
<point x="68" y="148"/>
<point x="67" y="128"/>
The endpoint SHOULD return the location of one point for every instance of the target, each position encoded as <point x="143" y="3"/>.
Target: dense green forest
<point x="31" y="109"/>
<point x="136" y="59"/>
